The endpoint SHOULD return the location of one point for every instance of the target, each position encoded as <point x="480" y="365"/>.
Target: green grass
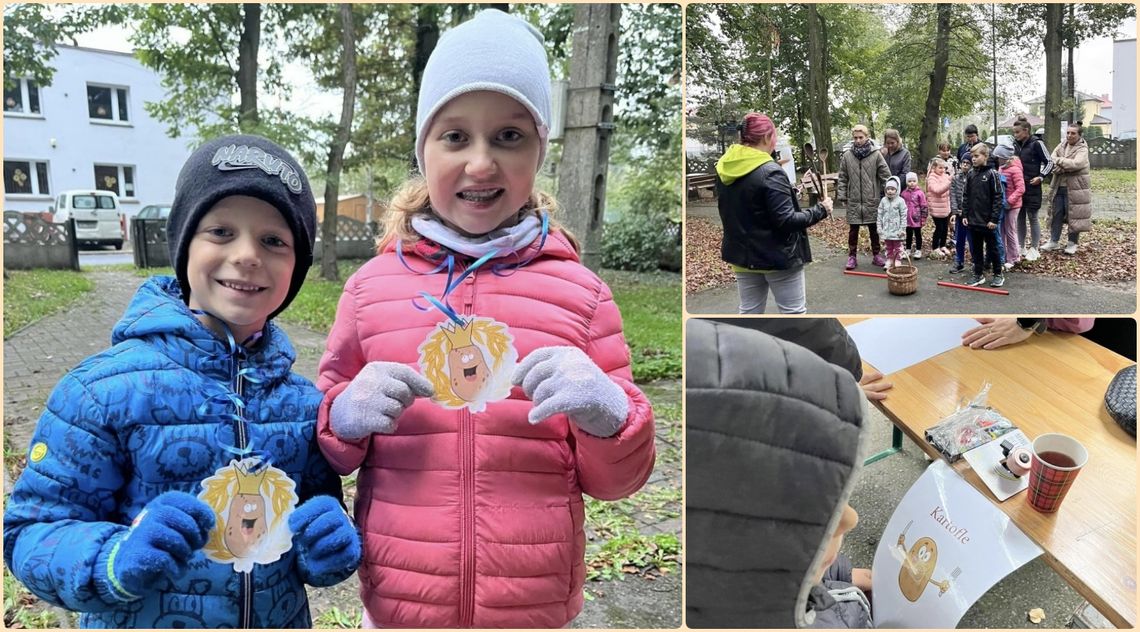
<point x="1113" y="181"/>
<point x="338" y="619"/>
<point x="650" y="304"/>
<point x="30" y="295"/>
<point x="315" y="305"/>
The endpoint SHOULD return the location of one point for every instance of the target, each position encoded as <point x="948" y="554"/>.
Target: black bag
<point x="1120" y="399"/>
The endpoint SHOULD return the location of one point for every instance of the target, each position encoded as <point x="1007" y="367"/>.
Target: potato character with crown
<point x="251" y="503"/>
<point x="454" y="358"/>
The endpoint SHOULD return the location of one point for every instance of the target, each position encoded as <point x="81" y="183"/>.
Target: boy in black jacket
<point x="981" y="215"/>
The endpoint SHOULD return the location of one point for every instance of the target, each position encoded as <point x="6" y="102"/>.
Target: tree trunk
<point x="247" y="65"/>
<point x="817" y="82"/>
<point x="931" y="118"/>
<point x="340" y="140"/>
<point x="427" y="35"/>
<point x="1054" y="16"/>
<point x="1071" y="44"/>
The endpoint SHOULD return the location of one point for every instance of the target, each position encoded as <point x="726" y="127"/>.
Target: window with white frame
<point x="26" y="177"/>
<point x="21" y="97"/>
<point x="118" y="179"/>
<point x="107" y="103"/>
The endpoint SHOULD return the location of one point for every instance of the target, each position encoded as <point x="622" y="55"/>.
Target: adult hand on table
<point x="995" y="332"/>
<point x="875" y="386"/>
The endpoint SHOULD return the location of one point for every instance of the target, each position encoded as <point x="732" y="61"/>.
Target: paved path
<point x="829" y="291"/>
<point x="36" y="357"/>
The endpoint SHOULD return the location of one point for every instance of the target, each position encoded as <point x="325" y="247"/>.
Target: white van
<point x="97" y="216"/>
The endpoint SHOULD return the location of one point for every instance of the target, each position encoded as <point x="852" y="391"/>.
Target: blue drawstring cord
<point x="235" y="353"/>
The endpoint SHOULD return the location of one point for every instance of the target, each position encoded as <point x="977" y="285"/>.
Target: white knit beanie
<point x="493" y="51"/>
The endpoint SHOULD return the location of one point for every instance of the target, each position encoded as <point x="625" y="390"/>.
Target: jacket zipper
<point x="467" y="475"/>
<point x="245" y="589"/>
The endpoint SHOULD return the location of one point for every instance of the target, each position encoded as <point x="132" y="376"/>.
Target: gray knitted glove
<point x="375" y="399"/>
<point x="565" y="380"/>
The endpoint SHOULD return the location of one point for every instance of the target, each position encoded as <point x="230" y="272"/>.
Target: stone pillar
<point x="589" y="125"/>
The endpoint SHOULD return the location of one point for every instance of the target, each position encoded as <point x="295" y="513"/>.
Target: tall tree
<point x="908" y="65"/>
<point x="340" y="140"/>
<point x="248" y="43"/>
<point x="928" y="138"/>
<point x="1054" y="19"/>
<point x="817" y="78"/>
<point x="1031" y="23"/>
<point x="32" y="30"/>
<point x="192" y="48"/>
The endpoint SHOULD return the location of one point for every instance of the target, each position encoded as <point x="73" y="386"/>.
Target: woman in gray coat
<point x="862" y="172"/>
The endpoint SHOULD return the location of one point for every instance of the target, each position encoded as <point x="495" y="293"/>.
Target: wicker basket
<point x="903" y="280"/>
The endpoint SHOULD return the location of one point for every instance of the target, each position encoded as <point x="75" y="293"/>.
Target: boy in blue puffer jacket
<point x="174" y="479"/>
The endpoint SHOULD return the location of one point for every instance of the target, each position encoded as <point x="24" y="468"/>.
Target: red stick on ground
<point x="988" y="290"/>
<point x="866" y="274"/>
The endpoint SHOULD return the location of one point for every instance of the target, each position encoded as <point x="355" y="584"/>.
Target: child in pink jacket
<point x="1012" y="176"/>
<point x="938" y="195"/>
<point x="476" y="373"/>
<point x="916" y="212"/>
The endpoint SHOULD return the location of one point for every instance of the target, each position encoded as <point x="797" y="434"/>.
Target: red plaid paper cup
<point x="1057" y="459"/>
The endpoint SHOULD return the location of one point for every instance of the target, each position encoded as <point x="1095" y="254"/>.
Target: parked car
<point x="1003" y="139"/>
<point x="154" y="211"/>
<point x="1127" y="135"/>
<point x="98" y="220"/>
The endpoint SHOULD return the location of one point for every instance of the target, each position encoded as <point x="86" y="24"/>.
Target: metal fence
<point x="32" y="242"/>
<point x="149" y="239"/>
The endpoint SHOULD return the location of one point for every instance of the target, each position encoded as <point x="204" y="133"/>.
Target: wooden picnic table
<point x="1050" y="383"/>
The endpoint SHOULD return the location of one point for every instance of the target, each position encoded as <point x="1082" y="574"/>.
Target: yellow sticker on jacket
<point x="39" y="451"/>
<point x="469" y="365"/>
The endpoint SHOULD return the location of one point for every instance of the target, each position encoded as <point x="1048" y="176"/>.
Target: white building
<point x="1124" y="86"/>
<point x="88" y="129"/>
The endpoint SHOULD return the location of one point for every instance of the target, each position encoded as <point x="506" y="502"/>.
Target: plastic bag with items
<point x="969" y="427"/>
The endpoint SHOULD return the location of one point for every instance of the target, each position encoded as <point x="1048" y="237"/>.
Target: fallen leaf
<point x="1037" y="615"/>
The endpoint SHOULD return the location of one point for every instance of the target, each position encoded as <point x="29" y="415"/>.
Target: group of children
<point x="979" y="194"/>
<point x="186" y="477"/>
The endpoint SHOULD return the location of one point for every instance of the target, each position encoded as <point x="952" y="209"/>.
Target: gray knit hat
<point x="1003" y="152"/>
<point x="242" y="165"/>
<point x="493" y="51"/>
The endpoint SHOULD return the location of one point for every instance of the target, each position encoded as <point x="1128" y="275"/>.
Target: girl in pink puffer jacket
<point x="476" y="373"/>
<point x="1013" y="178"/>
<point x="938" y="196"/>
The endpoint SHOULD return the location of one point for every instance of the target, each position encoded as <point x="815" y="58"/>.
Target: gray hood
<point x="773" y="446"/>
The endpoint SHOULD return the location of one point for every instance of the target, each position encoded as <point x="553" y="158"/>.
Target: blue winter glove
<point x="328" y="547"/>
<point x="565" y="380"/>
<point x="160" y="543"/>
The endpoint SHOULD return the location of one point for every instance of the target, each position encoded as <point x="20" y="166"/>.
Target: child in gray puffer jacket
<point x="762" y="554"/>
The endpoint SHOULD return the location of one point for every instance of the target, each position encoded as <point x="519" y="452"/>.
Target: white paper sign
<point x="893" y="344"/>
<point x="986" y="459"/>
<point x="943" y="548"/>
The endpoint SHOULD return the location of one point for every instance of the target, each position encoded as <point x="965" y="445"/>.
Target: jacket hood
<point x="773" y="446"/>
<point x="739" y="161"/>
<point x="157" y="314"/>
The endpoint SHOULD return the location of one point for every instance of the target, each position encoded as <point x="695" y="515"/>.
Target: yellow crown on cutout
<point x="458" y="335"/>
<point x="249" y="483"/>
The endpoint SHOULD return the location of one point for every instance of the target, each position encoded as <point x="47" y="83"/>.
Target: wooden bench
<point x="698" y="183"/>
